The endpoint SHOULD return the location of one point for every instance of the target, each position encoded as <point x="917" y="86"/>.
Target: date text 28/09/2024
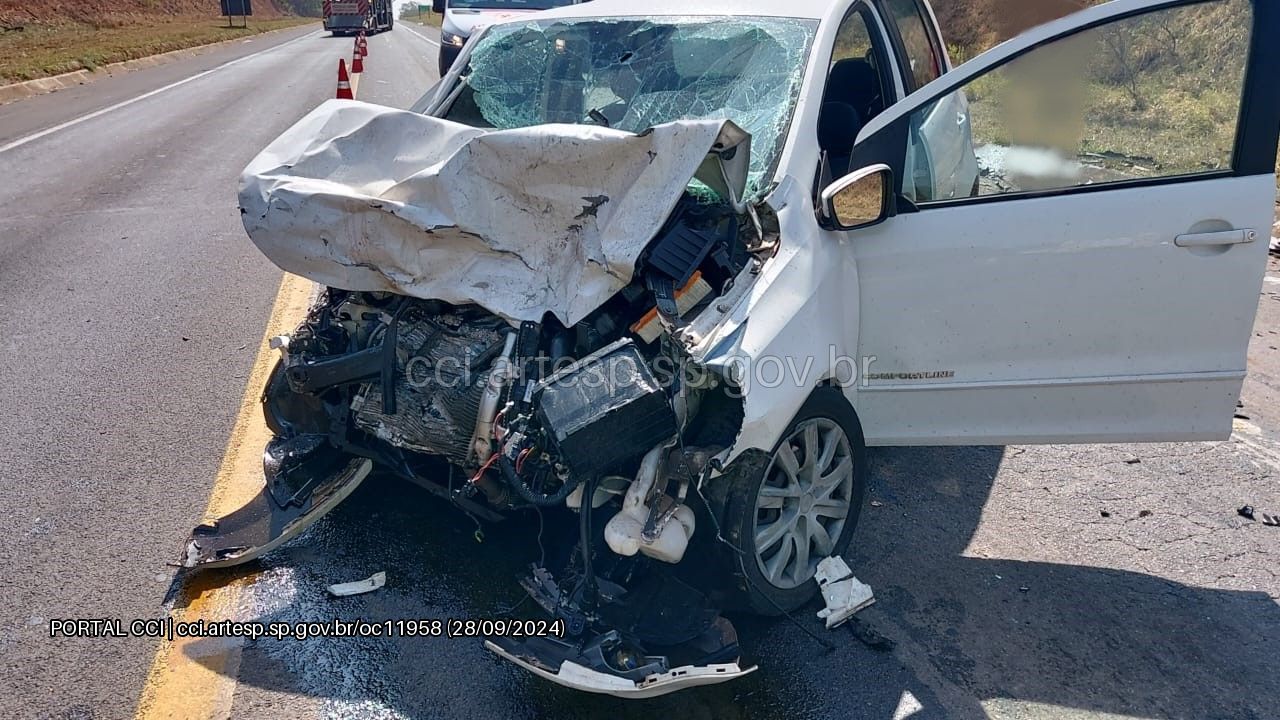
<point x="167" y="627"/>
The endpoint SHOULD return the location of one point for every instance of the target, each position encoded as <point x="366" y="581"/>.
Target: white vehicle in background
<point x="663" y="271"/>
<point x="462" y="18"/>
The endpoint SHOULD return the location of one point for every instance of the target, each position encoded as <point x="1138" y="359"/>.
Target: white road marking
<point x="125" y="103"/>
<point x="1250" y="435"/>
<point x="420" y="35"/>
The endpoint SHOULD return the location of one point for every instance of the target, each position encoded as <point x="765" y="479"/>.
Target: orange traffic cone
<point x="364" y="47"/>
<point x="344" y="81"/>
<point x="357" y="64"/>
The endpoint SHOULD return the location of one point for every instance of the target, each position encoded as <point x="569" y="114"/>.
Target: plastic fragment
<point x="843" y="593"/>
<point x="359" y="587"/>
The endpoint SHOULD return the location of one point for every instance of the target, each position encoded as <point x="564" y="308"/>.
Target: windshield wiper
<point x="599" y="117"/>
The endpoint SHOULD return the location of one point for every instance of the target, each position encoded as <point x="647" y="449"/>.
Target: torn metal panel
<point x="521" y="222"/>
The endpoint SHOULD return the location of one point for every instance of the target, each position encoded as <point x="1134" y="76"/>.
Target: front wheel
<point x="799" y="509"/>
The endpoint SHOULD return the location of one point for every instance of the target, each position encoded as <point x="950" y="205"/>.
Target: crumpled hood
<point x="522" y="222"/>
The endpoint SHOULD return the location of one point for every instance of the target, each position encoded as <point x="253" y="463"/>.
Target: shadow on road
<point x="970" y="632"/>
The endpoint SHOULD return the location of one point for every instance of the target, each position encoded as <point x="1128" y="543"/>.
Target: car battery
<point x="604" y="409"/>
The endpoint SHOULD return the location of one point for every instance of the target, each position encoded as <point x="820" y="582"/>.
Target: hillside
<point x="17" y="13"/>
<point x="971" y="26"/>
<point x="39" y="38"/>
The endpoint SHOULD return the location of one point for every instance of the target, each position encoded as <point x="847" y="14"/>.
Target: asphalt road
<point x="1045" y="582"/>
<point x="132" y="295"/>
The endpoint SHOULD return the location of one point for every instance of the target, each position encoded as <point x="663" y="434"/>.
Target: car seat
<point x="855" y="82"/>
<point x="838" y="126"/>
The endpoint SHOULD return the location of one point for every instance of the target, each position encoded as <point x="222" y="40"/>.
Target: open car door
<point x="1100" y="281"/>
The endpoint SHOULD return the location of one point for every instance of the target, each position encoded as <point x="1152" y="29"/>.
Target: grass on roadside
<point x="44" y="50"/>
<point x="410" y="14"/>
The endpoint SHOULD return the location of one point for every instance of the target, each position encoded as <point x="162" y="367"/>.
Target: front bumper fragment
<point x="531" y="654"/>
<point x="303" y="484"/>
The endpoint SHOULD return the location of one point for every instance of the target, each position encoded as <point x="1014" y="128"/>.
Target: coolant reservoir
<point x="624" y="531"/>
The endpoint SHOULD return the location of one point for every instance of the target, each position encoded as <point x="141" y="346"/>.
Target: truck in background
<point x="348" y="17"/>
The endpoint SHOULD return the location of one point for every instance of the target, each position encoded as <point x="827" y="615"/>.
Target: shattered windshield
<point x="633" y="73"/>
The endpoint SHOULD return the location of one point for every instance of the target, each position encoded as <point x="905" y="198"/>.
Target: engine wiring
<point x="483" y="469"/>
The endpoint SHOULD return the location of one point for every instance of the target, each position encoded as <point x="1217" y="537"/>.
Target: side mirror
<point x="437" y="6"/>
<point x="858" y="199"/>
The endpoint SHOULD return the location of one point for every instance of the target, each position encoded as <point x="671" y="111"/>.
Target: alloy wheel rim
<point x="803" y="502"/>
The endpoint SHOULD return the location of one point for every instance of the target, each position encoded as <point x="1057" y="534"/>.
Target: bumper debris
<point x="303" y="488"/>
<point x="574" y="674"/>
<point x="358" y="587"/>
<point x="844" y="593"/>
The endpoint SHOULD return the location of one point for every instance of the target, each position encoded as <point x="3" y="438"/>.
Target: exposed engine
<point x="594" y="424"/>
<point x="411" y="372"/>
<point x="442" y="366"/>
<point x="536" y="408"/>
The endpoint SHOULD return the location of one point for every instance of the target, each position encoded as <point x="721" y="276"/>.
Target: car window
<point x="853" y="93"/>
<point x="1148" y="96"/>
<point x="852" y="39"/>
<point x="922" y="59"/>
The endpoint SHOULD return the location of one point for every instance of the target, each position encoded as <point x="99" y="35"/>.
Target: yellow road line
<point x="193" y="678"/>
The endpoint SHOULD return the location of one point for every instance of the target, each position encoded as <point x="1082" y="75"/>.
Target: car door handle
<point x="1226" y="237"/>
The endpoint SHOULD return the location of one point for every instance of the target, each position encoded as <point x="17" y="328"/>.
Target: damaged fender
<point x="770" y="335"/>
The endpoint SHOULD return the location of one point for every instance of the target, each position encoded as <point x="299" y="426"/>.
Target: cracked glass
<point x="633" y="73"/>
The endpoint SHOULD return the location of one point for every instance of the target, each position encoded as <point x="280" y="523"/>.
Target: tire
<point x="777" y="577"/>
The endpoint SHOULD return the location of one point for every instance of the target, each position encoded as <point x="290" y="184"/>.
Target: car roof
<point x="807" y="9"/>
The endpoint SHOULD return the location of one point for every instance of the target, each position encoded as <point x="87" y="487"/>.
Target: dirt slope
<point x="975" y="25"/>
<point x="110" y="13"/>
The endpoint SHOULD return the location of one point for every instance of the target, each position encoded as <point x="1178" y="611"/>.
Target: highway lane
<point x="133" y="303"/>
<point x="39" y="113"/>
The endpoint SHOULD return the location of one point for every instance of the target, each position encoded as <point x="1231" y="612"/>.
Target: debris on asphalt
<point x="359" y="587"/>
<point x="1246" y="512"/>
<point x="1144" y="513"/>
<point x="1104" y="513"/>
<point x="876" y="503"/>
<point x="843" y="593"/>
<point x="868" y="635"/>
<point x="1133" y="461"/>
<point x="1271" y="520"/>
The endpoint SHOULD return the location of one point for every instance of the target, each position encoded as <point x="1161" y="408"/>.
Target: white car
<point x="461" y="18"/>
<point x="682" y="262"/>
